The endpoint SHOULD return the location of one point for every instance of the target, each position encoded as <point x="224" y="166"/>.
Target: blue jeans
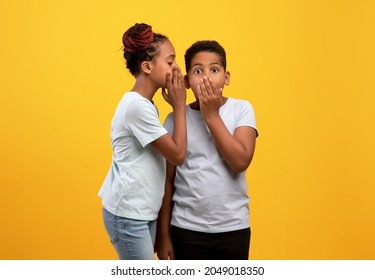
<point x="132" y="239"/>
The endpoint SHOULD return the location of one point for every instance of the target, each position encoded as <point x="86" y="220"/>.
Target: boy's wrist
<point x="164" y="234"/>
<point x="213" y="117"/>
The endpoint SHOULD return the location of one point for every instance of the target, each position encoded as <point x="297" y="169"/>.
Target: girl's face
<point x="162" y="63"/>
<point x="207" y="64"/>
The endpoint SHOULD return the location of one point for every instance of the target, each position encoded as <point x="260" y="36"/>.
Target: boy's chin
<point x="195" y="105"/>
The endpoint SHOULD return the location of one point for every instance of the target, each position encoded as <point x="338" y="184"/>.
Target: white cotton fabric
<point x="134" y="185"/>
<point x="209" y="196"/>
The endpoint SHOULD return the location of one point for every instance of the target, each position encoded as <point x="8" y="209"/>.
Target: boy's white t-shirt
<point x="209" y="196"/>
<point x="134" y="185"/>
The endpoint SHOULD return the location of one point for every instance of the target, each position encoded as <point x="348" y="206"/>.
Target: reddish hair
<point x="140" y="44"/>
<point x="138" y="37"/>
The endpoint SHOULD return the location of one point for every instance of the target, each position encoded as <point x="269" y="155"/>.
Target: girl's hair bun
<point x="137" y="38"/>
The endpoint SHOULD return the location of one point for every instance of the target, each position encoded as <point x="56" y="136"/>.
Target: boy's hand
<point x="209" y="98"/>
<point x="165" y="249"/>
<point x="176" y="95"/>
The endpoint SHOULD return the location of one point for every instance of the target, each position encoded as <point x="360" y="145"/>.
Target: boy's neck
<point x="195" y="104"/>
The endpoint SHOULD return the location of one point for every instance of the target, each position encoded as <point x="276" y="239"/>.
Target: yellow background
<point x="308" y="68"/>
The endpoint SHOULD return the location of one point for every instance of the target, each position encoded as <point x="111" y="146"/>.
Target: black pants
<point x="193" y="245"/>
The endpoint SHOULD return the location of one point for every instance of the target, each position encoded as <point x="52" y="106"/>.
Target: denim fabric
<point x="132" y="239"/>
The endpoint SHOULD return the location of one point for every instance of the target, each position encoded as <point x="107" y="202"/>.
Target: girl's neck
<point x="144" y="88"/>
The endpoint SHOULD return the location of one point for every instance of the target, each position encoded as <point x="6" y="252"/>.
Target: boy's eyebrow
<point x="171" y="55"/>
<point x="197" y="64"/>
<point x="200" y="64"/>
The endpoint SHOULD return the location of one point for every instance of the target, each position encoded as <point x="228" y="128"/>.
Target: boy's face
<point x="206" y="64"/>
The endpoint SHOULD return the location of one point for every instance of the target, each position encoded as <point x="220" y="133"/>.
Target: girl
<point x="134" y="187"/>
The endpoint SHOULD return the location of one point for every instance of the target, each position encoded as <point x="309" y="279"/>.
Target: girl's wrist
<point x="179" y="107"/>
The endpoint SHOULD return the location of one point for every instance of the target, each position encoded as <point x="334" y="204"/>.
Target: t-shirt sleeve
<point x="169" y="123"/>
<point x="246" y="116"/>
<point x="143" y="122"/>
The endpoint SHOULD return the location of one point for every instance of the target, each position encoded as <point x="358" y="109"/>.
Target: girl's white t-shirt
<point x="134" y="185"/>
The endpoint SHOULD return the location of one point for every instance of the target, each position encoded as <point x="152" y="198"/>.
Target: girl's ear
<point x="187" y="85"/>
<point x="227" y="78"/>
<point x="146" y="67"/>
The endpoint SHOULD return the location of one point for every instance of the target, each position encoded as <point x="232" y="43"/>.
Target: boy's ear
<point x="227" y="78"/>
<point x="146" y="67"/>
<point x="187" y="85"/>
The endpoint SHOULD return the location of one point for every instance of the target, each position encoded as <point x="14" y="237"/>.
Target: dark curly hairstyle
<point x="205" y="46"/>
<point x="140" y="44"/>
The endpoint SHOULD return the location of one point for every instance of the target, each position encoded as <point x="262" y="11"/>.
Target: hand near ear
<point x="176" y="95"/>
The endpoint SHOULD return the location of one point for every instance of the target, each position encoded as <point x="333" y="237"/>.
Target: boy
<point x="208" y="217"/>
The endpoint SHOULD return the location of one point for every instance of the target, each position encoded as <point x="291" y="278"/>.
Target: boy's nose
<point x="207" y="74"/>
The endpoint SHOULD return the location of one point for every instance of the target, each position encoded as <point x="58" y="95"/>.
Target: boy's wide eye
<point x="197" y="71"/>
<point x="215" y="70"/>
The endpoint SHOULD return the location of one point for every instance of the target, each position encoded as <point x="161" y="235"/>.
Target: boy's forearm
<point x="164" y="221"/>
<point x="165" y="212"/>
<point x="233" y="152"/>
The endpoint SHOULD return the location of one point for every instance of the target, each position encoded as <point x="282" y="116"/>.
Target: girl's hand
<point x="176" y="95"/>
<point x="209" y="98"/>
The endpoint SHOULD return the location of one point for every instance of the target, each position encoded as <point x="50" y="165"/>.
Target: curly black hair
<point x="205" y="46"/>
